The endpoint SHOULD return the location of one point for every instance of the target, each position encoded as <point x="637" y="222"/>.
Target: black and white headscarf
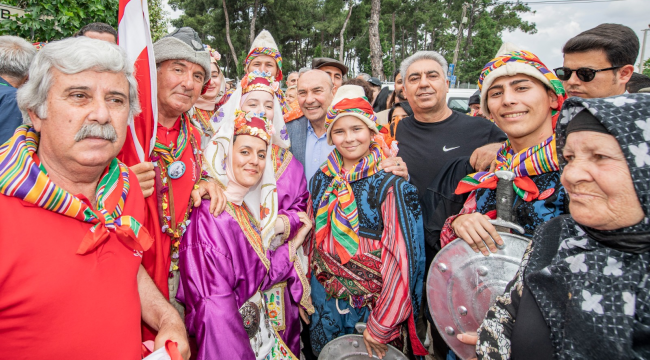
<point x="594" y="290"/>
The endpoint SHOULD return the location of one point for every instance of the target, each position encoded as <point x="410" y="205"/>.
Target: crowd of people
<point x="266" y="223"/>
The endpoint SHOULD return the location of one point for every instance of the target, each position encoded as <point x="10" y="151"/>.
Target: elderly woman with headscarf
<point x="232" y="267"/>
<point x="206" y="104"/>
<point x="582" y="291"/>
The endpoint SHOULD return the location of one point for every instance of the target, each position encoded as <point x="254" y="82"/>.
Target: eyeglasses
<point x="584" y="74"/>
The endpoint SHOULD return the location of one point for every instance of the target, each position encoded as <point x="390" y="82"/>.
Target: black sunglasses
<point x="584" y="74"/>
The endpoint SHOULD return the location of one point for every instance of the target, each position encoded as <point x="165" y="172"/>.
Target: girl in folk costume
<point x="206" y="105"/>
<point x="276" y="206"/>
<point x="367" y="260"/>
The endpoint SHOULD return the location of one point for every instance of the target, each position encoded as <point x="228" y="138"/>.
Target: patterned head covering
<point x="253" y="124"/>
<point x="264" y="44"/>
<point x="350" y="100"/>
<point x="520" y="62"/>
<point x="259" y="81"/>
<point x="627" y="118"/>
<point x="261" y="199"/>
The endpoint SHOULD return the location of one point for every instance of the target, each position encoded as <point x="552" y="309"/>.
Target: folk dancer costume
<point x="177" y="162"/>
<point x="65" y="262"/>
<point x="540" y="195"/>
<point x="264" y="44"/>
<point x="204" y="108"/>
<point x="582" y="293"/>
<point x="367" y="258"/>
<point x="273" y="206"/>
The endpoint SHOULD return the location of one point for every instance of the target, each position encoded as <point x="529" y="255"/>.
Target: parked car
<point x="458" y="99"/>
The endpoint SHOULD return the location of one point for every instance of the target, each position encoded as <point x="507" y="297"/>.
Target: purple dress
<point x="220" y="270"/>
<point x="293" y="197"/>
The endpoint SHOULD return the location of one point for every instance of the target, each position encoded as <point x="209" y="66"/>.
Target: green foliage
<point x="57" y="19"/>
<point x="158" y="19"/>
<point x="646" y="68"/>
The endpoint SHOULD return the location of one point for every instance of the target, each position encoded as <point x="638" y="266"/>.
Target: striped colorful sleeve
<point x="447" y="234"/>
<point x="393" y="306"/>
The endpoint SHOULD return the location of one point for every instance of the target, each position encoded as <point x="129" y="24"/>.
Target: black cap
<point x="475" y="98"/>
<point x="325" y="61"/>
<point x="374" y="81"/>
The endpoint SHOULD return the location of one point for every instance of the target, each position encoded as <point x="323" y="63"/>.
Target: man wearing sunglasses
<point x="599" y="62"/>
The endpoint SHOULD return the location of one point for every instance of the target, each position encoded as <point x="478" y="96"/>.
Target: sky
<point x="557" y="23"/>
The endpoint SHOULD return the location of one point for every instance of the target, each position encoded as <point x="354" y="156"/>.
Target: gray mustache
<point x="95" y="130"/>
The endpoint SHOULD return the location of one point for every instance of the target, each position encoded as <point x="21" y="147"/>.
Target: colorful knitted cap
<point x="253" y="124"/>
<point x="350" y="100"/>
<point x="264" y="44"/>
<point x="519" y="62"/>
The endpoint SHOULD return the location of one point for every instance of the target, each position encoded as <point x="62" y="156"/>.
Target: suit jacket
<point x="297" y="130"/>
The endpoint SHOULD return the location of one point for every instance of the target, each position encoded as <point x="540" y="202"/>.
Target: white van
<point x="458" y="99"/>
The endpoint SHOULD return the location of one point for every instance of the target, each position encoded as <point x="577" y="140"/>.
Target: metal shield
<point x="462" y="285"/>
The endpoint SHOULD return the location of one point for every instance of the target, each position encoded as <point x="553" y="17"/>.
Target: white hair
<point x="423" y="55"/>
<point x="364" y="76"/>
<point x="16" y="55"/>
<point x="72" y="56"/>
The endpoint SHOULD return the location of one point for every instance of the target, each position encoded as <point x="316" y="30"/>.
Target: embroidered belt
<point x="358" y="281"/>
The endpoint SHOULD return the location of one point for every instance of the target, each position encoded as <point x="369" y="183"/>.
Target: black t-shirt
<point x="427" y="147"/>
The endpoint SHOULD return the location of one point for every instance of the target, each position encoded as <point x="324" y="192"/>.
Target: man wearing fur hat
<point x="173" y="174"/>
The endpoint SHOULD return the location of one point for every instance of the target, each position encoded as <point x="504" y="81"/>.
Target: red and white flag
<point x="134" y="36"/>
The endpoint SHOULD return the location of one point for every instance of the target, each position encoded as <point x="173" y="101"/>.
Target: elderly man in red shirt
<point x="70" y="215"/>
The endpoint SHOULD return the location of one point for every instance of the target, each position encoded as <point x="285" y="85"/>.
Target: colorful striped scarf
<point x="536" y="160"/>
<point x="172" y="152"/>
<point x="22" y="178"/>
<point x="337" y="211"/>
<point x="531" y="59"/>
<point x="274" y="53"/>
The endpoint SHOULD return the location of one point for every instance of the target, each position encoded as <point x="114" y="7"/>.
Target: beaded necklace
<point x="161" y="158"/>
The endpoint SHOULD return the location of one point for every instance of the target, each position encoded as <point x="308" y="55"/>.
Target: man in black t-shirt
<point x="436" y="134"/>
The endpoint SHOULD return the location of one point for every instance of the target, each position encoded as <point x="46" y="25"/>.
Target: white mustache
<point x="95" y="130"/>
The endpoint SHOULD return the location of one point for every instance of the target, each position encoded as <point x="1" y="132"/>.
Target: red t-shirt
<point x="184" y="185"/>
<point x="55" y="304"/>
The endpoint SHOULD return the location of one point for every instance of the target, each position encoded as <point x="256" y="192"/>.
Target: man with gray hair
<point x="16" y="55"/>
<point x="174" y="173"/>
<point x="435" y="134"/>
<point x="75" y="281"/>
<point x="436" y="137"/>
<point x="307" y="133"/>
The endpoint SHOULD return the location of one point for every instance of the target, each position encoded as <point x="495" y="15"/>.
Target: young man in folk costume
<point x="524" y="98"/>
<point x="263" y="57"/>
<point x="367" y="258"/>
<point x="264" y="218"/>
<point x="205" y="107"/>
<point x="171" y="180"/>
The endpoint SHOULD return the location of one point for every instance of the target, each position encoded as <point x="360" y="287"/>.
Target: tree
<point x="349" y="29"/>
<point x="646" y="68"/>
<point x="158" y="19"/>
<point x="57" y="19"/>
<point x="375" y="45"/>
<point x="345" y="24"/>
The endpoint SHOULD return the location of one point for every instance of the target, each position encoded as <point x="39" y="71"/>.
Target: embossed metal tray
<point x="352" y="347"/>
<point x="462" y="285"/>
